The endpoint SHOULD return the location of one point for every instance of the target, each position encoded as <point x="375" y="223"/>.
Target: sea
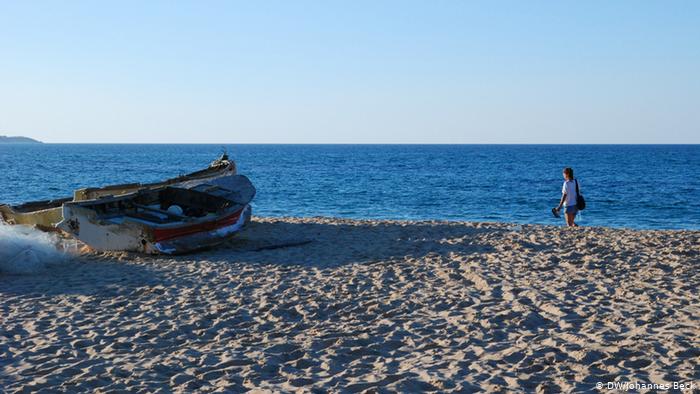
<point x="625" y="186"/>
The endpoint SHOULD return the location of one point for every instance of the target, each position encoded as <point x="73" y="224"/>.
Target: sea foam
<point x="25" y="250"/>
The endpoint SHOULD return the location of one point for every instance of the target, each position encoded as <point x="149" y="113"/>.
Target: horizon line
<point x="343" y="143"/>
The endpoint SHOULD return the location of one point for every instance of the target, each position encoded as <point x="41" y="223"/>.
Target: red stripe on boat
<point x="170" y="233"/>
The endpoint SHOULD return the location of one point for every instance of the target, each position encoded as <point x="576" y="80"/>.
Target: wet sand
<point x="364" y="306"/>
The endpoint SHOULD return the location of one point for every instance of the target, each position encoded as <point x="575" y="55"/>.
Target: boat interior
<point x="90" y="193"/>
<point x="113" y="190"/>
<point x="159" y="206"/>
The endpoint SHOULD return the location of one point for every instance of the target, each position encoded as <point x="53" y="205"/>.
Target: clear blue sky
<point x="351" y="71"/>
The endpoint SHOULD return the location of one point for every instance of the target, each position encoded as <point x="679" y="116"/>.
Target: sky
<point x="503" y="72"/>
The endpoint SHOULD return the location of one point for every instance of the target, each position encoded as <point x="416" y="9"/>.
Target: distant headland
<point x="18" y="140"/>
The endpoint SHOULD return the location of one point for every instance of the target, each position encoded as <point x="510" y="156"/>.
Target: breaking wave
<point x="25" y="250"/>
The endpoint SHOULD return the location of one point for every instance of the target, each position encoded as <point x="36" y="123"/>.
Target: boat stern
<point x="200" y="236"/>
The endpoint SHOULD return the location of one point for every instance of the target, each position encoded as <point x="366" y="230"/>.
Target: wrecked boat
<point x="45" y="215"/>
<point x="168" y="220"/>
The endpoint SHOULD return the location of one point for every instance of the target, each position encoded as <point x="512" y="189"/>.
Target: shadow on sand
<point x="82" y="275"/>
<point x="323" y="242"/>
<point x="317" y="242"/>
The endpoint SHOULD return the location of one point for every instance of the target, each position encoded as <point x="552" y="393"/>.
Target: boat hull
<point x="41" y="214"/>
<point x="133" y="236"/>
<point x="207" y="236"/>
<point x="45" y="215"/>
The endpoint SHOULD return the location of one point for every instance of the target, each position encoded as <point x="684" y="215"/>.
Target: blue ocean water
<point x="635" y="186"/>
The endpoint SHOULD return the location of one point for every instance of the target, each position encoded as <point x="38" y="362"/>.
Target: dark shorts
<point x="571" y="209"/>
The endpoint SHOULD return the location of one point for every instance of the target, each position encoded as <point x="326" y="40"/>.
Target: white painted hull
<point x="135" y="236"/>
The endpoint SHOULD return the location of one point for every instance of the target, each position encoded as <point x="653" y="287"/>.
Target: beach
<point x="341" y="305"/>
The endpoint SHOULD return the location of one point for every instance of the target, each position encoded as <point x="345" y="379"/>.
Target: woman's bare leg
<point x="570" y="219"/>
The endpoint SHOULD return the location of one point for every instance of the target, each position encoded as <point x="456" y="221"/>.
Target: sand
<point x="365" y="306"/>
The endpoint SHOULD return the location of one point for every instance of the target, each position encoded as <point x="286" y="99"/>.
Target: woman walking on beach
<point x="569" y="196"/>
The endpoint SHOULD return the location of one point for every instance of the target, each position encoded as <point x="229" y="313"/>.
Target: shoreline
<point x="367" y="304"/>
<point x="561" y="225"/>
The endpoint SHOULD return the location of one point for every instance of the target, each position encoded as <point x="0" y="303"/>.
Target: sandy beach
<point x="332" y="305"/>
